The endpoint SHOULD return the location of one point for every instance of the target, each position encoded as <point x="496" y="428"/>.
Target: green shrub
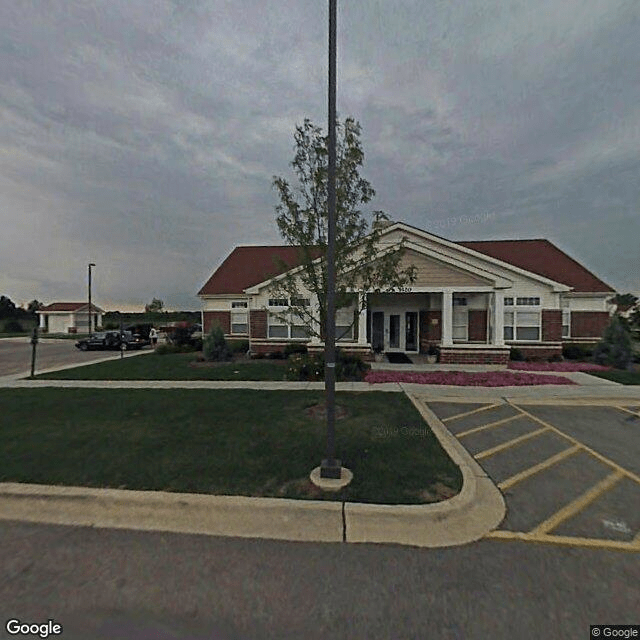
<point x="615" y="348"/>
<point x="556" y="357"/>
<point x="13" y="326"/>
<point x="516" y="355"/>
<point x="238" y="346"/>
<point x="294" y="347"/>
<point x="214" y="346"/>
<point x="310" y="367"/>
<point x="276" y="355"/>
<point x="577" y="351"/>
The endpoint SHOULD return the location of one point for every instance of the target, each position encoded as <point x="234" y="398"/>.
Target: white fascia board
<point x="557" y="286"/>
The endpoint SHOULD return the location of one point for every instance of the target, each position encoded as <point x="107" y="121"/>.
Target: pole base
<point x="330" y="468"/>
<point x="331" y="484"/>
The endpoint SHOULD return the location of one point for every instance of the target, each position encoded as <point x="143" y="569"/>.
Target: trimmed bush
<point x="577" y="351"/>
<point x="214" y="347"/>
<point x="516" y="355"/>
<point x="294" y="347"/>
<point x="615" y="348"/>
<point x="238" y="346"/>
<point x="310" y="367"/>
<point x="276" y="355"/>
<point x="556" y="357"/>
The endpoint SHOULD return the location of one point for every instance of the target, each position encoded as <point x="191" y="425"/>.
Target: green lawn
<point x="623" y="377"/>
<point x="172" y="366"/>
<point x="233" y="442"/>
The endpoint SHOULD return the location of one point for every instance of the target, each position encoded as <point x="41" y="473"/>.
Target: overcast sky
<point x="143" y="135"/>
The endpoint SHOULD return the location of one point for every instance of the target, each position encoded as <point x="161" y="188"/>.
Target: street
<point x="107" y="584"/>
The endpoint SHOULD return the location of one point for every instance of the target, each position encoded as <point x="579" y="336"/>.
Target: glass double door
<point x="394" y="330"/>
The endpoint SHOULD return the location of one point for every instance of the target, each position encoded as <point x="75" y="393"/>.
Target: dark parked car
<point x="111" y="340"/>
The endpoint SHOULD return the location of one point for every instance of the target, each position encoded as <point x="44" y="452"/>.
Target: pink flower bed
<point x="466" y="379"/>
<point x="557" y="366"/>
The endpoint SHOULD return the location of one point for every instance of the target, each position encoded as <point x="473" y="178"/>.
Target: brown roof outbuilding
<point x="69" y="306"/>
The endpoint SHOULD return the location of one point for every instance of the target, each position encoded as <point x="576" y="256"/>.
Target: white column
<point x="42" y="321"/>
<point x="498" y="318"/>
<point x="362" y="321"/>
<point x="447" y="318"/>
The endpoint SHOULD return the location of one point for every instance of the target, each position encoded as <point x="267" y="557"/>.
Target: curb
<point x="468" y="516"/>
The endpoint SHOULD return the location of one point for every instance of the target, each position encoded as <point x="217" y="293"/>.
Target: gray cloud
<point x="144" y="135"/>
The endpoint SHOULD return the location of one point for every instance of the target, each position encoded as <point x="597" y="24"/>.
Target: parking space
<point x="569" y="470"/>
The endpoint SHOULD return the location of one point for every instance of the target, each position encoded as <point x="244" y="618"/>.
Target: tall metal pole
<point x="330" y="467"/>
<point x="91" y="264"/>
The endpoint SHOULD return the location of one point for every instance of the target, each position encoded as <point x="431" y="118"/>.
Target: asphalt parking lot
<point x="569" y="470"/>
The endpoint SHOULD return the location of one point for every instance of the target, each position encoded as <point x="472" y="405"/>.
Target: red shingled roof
<point x="68" y="306"/>
<point x="247" y="266"/>
<point x="541" y="257"/>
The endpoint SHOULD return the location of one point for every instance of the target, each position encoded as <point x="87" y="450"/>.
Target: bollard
<point x="34" y="342"/>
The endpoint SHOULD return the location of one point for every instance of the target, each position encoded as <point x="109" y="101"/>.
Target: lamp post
<point x="330" y="467"/>
<point x="91" y="264"/>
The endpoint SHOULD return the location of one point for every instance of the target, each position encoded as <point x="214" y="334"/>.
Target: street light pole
<point x="91" y="264"/>
<point x="330" y="467"/>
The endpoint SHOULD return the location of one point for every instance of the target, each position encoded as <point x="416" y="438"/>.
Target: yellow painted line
<point x="577" y="505"/>
<point x="545" y="464"/>
<point x="470" y="413"/>
<point x="636" y="540"/>
<point x="497" y="423"/>
<point x="595" y="454"/>
<point x="505" y="445"/>
<point x="594" y="543"/>
<point x="633" y="413"/>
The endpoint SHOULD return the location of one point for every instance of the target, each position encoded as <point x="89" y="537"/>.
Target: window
<point x="293" y="327"/>
<point x="508" y="302"/>
<point x="239" y="322"/>
<point x="460" y="325"/>
<point x="566" y="323"/>
<point x="528" y="302"/>
<point x="278" y="302"/>
<point x="278" y="327"/>
<point x="522" y="325"/>
<point x="459" y="302"/>
<point x="344" y="324"/>
<point x="300" y="302"/>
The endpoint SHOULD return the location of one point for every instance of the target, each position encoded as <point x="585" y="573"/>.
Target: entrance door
<point x="377" y="330"/>
<point x="411" y="331"/>
<point x="394" y="331"/>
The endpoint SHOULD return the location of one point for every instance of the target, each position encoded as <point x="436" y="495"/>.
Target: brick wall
<point x="477" y="325"/>
<point x="258" y="320"/>
<point x="551" y="325"/>
<point x="473" y="356"/>
<point x="222" y="318"/>
<point x="429" y="333"/>
<point x="267" y="347"/>
<point x="588" y="324"/>
<point x="539" y="353"/>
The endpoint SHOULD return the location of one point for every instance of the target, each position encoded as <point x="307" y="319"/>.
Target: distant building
<point x="69" y="317"/>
